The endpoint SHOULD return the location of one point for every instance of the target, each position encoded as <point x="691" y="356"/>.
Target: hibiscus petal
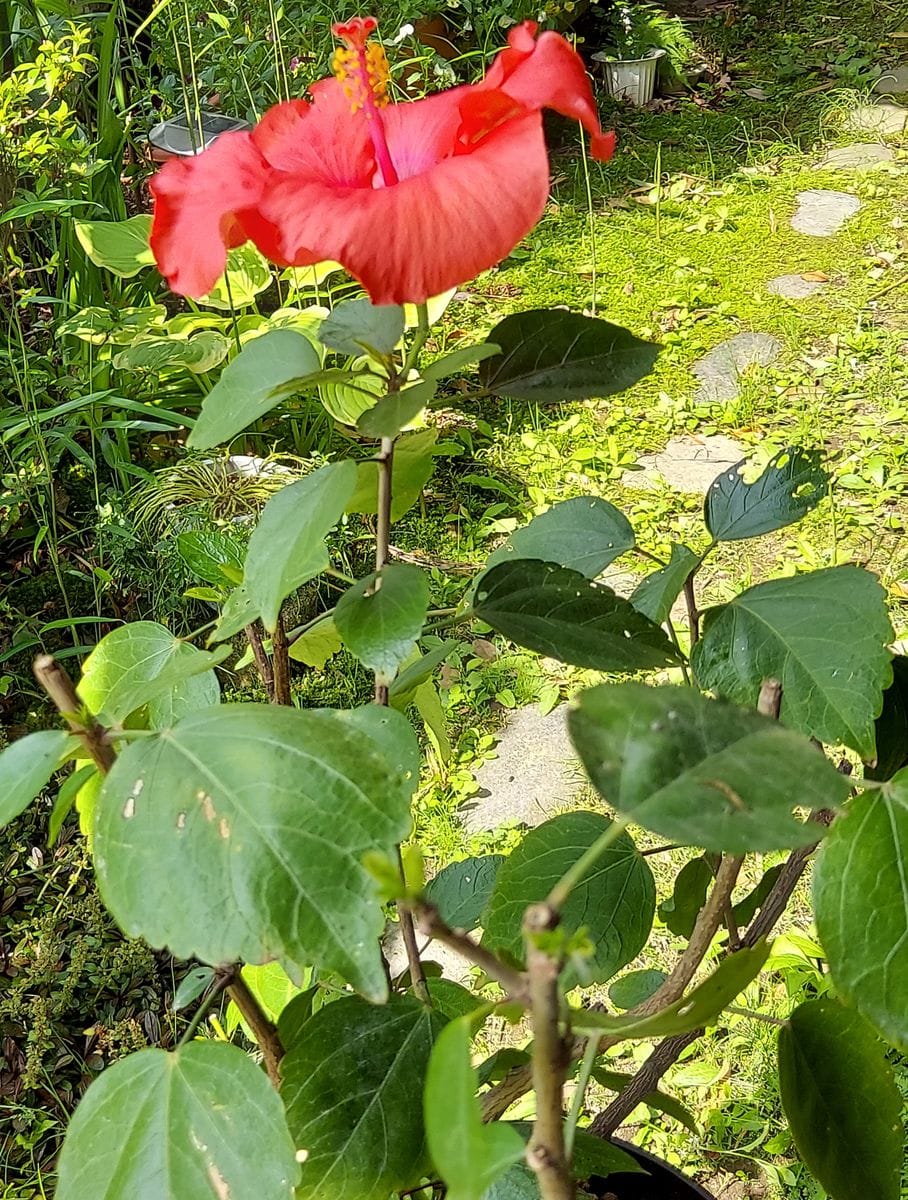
<point x="430" y="232"/>
<point x="323" y="138"/>
<point x="545" y="72"/>
<point x="198" y="213"/>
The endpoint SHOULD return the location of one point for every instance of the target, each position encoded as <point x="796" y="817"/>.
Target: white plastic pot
<point x="632" y="79"/>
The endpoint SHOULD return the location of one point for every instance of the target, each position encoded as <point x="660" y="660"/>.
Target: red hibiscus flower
<point x="412" y="199"/>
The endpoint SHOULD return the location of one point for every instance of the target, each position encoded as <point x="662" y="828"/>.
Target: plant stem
<point x="59" y="688"/>
<point x="546" y="1152"/>
<point x="693" y="615"/>
<point x="569" y="880"/>
<point x="419" y="340"/>
<point x="280" y="659"/>
<point x="432" y="925"/>
<point x="262" y="661"/>
<point x="667" y="1052"/>
<point x="583" y="1079"/>
<point x="222" y="980"/>
<point x="755" y="1016"/>
<point x="263" y="1029"/>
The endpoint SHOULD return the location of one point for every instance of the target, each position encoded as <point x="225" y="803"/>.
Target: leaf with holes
<point x="352" y="1086"/>
<point x="381" y="616"/>
<point x="842" y="1104"/>
<point x="239" y="834"/>
<point x="655" y="595"/>
<point x="461" y="890"/>
<point x="584" y="534"/>
<point x="700" y="771"/>
<point x="558" y="612"/>
<point x="792" y="483"/>
<point x="549" y="355"/>
<point x="287" y="547"/>
<point x="26" y="767"/>
<point x="614" y="902"/>
<point x="202" y="1120"/>
<point x="860" y="897"/>
<point x="823" y="635"/>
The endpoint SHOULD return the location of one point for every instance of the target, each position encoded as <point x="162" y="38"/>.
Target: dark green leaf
<point x="551" y="355"/>
<point x="453" y="363"/>
<point x="841" y="1101"/>
<point x="592" y="1155"/>
<point x="559" y="613"/>
<point x="141" y="662"/>
<point x="497" y="1065"/>
<point x="469" y="1155"/>
<point x="518" y="1183"/>
<point x="352" y="1087"/>
<point x="614" y="902"/>
<point x="26" y="767"/>
<point x="192" y="985"/>
<point x="702" y="771"/>
<point x="616" y="1081"/>
<point x="287" y="547"/>
<point x="792" y="483"/>
<point x="212" y="555"/>
<point x="121" y="247"/>
<point x="240" y="834"/>
<point x="698" y="1008"/>
<point x="294" y="1016"/>
<point x="891" y="728"/>
<point x="745" y="910"/>
<point x="861" y="902"/>
<point x="448" y="997"/>
<point x="823" y="635"/>
<point x="358" y="325"/>
<point x="655" y="595"/>
<point x="584" y="534"/>
<point x="461" y="890"/>
<point x="635" y="987"/>
<point x="396" y="410"/>
<point x="680" y="911"/>
<point x="410" y="472"/>
<point x="381" y="616"/>
<point x="200" y="1121"/>
<point x="252" y="384"/>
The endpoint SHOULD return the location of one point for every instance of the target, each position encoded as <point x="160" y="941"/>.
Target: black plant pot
<point x="662" y="1182"/>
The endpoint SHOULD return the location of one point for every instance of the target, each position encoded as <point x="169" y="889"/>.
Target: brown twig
<point x="644" y="1082"/>
<point x="263" y="1030"/>
<point x="546" y="1152"/>
<point x="262" y="661"/>
<point x="693" y="614"/>
<point x="280" y="658"/>
<point x="59" y="688"/>
<point x="431" y="924"/>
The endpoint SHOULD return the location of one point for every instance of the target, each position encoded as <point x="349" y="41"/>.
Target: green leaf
<point x="614" y="902"/>
<point x="381" y="616"/>
<point x="584" y="534"/>
<point x="252" y="384"/>
<point x="200" y="1121"/>
<point x="274" y="990"/>
<point x="792" y="483"/>
<point x="197" y="354"/>
<point x="592" y="1155"/>
<point x="681" y="909"/>
<point x="295" y="1015"/>
<point x="287" y="547"/>
<point x="118" y="327"/>
<point x="698" y="1008"/>
<point x="396" y="410"/>
<point x="655" y="595"/>
<point x="549" y="355"/>
<point x="212" y="555"/>
<point x="411" y="469"/>
<point x="247" y="275"/>
<point x="139" y="663"/>
<point x="635" y="987"/>
<point x="26" y="768"/>
<point x="66" y="798"/>
<point x="842" y="1104"/>
<point x="193" y="983"/>
<point x="701" y="771"/>
<point x="352" y="1087"/>
<point x="461" y="890"/>
<point x="891" y="727"/>
<point x="517" y="1183"/>
<point x="418" y="672"/>
<point x="745" y="910"/>
<point x="860" y="898"/>
<point x="559" y="613"/>
<point x="239" y="835"/>
<point x="451" y="1000"/>
<point x="346" y="395"/>
<point x="469" y="1155"/>
<point x="358" y="325"/>
<point x="616" y="1081"/>
<point x="454" y="363"/>
<point x="121" y="247"/>
<point x="316" y="645"/>
<point x="238" y="611"/>
<point x="823" y="635"/>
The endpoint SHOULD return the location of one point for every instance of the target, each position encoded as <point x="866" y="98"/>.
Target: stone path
<point x="885" y="119"/>
<point x="689" y="464"/>
<point x="893" y="81"/>
<point x="859" y="157"/>
<point x="720" y="370"/>
<point x="795" y="287"/>
<point x="822" y="213"/>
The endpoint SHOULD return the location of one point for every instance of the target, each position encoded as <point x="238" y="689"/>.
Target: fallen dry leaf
<point x="815" y="277"/>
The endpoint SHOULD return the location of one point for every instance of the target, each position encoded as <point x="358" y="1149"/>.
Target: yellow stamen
<point x="364" y="75"/>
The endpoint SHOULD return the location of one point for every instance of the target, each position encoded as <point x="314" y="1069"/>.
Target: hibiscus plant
<point x="244" y="833"/>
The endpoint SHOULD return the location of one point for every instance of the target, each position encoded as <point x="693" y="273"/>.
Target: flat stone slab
<point x="535" y="775"/>
<point x="691" y="464"/>
<point x="719" y="371"/>
<point x="452" y="965"/>
<point x="884" y="119"/>
<point x="862" y="156"/>
<point x="822" y="213"/>
<point x="794" y="287"/>
<point x="893" y="81"/>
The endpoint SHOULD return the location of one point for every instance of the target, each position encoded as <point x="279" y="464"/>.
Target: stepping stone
<point x="893" y="82"/>
<point x="884" y="119"/>
<point x="452" y="965"/>
<point x="535" y="775"/>
<point x="822" y="213"/>
<point x="794" y="287"/>
<point x="690" y="464"/>
<point x="720" y="370"/>
<point x="860" y="156"/>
